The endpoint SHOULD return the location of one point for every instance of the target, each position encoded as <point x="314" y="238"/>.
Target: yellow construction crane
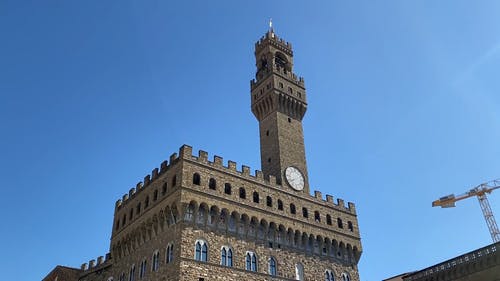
<point x="480" y="191"/>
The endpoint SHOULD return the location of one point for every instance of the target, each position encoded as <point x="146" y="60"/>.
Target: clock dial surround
<point x="294" y="178"/>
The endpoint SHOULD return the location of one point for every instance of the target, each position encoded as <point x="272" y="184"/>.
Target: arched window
<point x="230" y="257"/>
<point x="269" y="201"/>
<point x="174" y="180"/>
<point x="272" y="266"/>
<point x="223" y="256"/>
<point x="243" y="193"/>
<point x="226" y="256"/>
<point x="339" y="223"/>
<point x="146" y="202"/>
<point x="256" y="197"/>
<point x="345" y="277"/>
<point x="299" y="272"/>
<point x="164" y="189"/>
<point x="227" y="188"/>
<point x="280" y="205"/>
<point x="142" y="269"/>
<point x="138" y="208"/>
<point x="281" y="61"/>
<point x="350" y="226"/>
<point x="292" y="209"/>
<point x="317" y="218"/>
<point x="196" y="179"/>
<point x="155" y="261"/>
<point x="329" y="275"/>
<point x="328" y="219"/>
<point x="131" y="276"/>
<point x="251" y="261"/>
<point x="131" y="213"/>
<point x="201" y="251"/>
<point x="169" y="256"/>
<point x="124" y="220"/>
<point x="305" y="214"/>
<point x="212" y="184"/>
<point x="155" y="195"/>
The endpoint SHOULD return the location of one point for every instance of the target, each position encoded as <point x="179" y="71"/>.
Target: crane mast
<point x="480" y="191"/>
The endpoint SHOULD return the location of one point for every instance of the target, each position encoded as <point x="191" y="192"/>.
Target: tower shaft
<point x="278" y="100"/>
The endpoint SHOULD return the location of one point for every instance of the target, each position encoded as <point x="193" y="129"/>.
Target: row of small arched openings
<point x="274" y="235"/>
<point x="228" y="190"/>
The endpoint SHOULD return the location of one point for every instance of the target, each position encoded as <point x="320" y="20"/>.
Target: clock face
<point x="294" y="178"/>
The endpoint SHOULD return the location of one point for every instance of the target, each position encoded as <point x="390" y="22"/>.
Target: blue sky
<point x="404" y="107"/>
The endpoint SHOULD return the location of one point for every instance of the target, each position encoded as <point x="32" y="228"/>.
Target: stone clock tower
<point x="279" y="104"/>
<point x="200" y="218"/>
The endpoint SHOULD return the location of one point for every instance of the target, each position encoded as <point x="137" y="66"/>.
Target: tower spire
<point x="271" y="30"/>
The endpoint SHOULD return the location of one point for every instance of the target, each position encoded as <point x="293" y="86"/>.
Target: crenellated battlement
<point x="93" y="264"/>
<point x="270" y="38"/>
<point x="281" y="71"/>
<point x="148" y="179"/>
<point x="186" y="153"/>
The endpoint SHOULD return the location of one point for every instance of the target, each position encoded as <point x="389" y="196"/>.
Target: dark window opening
<point x="269" y="160"/>
<point x="124" y="220"/>
<point x="174" y="180"/>
<point x="290" y="90"/>
<point x="131" y="213"/>
<point x="289" y="120"/>
<point x="280" y="205"/>
<point x="304" y="212"/>
<point x="269" y="201"/>
<point x="212" y="184"/>
<point x="227" y="188"/>
<point x="267" y="133"/>
<point x="281" y="85"/>
<point x="138" y="208"/>
<point x="164" y="189"/>
<point x="196" y="179"/>
<point x="339" y="223"/>
<point x="256" y="197"/>
<point x="243" y="194"/>
<point x="155" y="195"/>
<point x="292" y="209"/>
<point x="146" y="202"/>
<point x="317" y="217"/>
<point x="350" y="226"/>
<point x="328" y="219"/>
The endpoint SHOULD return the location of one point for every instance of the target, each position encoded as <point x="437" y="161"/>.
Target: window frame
<point x="226" y="256"/>
<point x="155" y="260"/>
<point x="273" y="266"/>
<point x="201" y="251"/>
<point x="251" y="261"/>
